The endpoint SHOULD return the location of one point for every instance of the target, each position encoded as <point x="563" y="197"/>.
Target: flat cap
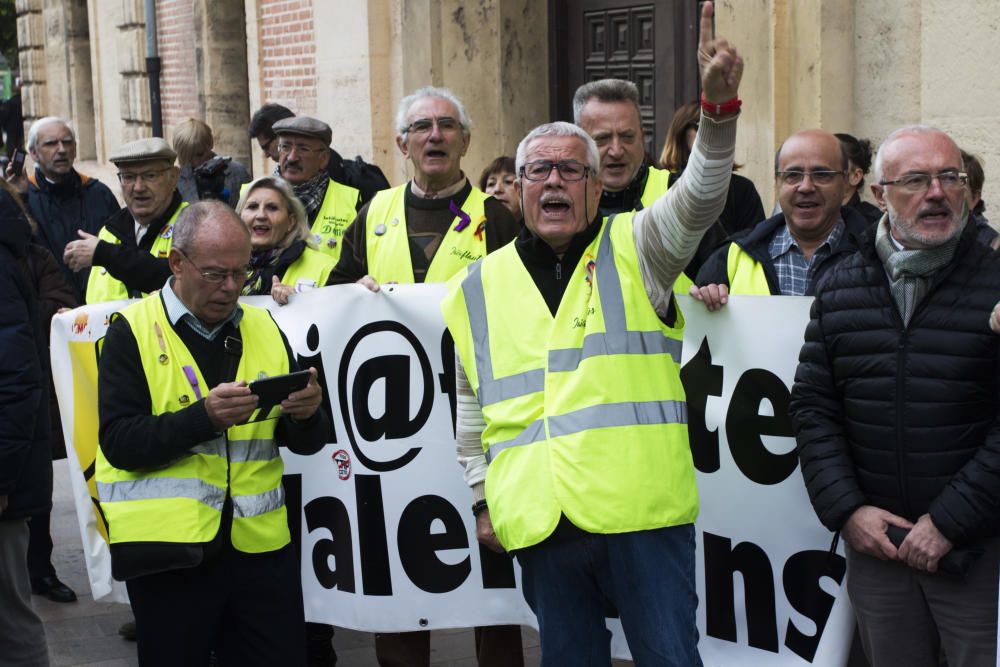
<point x="306" y="127"/>
<point x="142" y="150"/>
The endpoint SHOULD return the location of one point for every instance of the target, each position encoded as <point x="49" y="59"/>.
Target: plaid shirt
<point x="794" y="271"/>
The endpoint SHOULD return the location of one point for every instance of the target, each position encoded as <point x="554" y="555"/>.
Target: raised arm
<point x="667" y="234"/>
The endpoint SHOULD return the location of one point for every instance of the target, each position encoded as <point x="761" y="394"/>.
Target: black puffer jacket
<point x="25" y="460"/>
<point x="905" y="419"/>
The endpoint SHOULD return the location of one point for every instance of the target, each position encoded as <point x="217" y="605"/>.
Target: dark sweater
<point x="427" y="222"/>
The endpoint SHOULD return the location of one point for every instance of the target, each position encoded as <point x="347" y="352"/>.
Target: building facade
<point x="844" y="65"/>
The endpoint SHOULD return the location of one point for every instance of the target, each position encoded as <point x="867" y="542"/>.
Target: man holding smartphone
<point x="192" y="493"/>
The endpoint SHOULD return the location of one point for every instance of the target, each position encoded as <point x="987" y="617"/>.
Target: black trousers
<point x="248" y="607"/>
<point x="40" y="547"/>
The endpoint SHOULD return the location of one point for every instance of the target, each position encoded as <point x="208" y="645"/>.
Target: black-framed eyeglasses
<point x="446" y="124"/>
<point x="569" y="170"/>
<point x="266" y="145"/>
<point x="151" y="176"/>
<point x="818" y="177"/>
<point x="216" y="277"/>
<point x="919" y="183"/>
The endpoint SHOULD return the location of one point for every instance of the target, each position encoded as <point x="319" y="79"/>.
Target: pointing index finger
<point x="707" y="32"/>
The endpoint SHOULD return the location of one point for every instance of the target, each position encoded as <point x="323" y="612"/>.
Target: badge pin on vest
<point x="379" y="229"/>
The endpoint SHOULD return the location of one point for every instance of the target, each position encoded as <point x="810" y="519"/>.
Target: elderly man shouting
<point x="569" y="349"/>
<point x="429" y="228"/>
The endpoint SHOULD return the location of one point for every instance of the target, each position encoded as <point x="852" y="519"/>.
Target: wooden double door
<point x="654" y="44"/>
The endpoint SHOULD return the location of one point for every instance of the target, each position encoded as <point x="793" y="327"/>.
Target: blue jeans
<point x="648" y="575"/>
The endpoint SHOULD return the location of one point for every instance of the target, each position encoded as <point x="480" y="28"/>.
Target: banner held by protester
<point x="382" y="513"/>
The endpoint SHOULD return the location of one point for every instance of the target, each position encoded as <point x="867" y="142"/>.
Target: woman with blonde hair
<point x="193" y="142"/>
<point x="282" y="259"/>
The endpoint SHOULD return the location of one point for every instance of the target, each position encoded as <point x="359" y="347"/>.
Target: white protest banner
<point x="769" y="591"/>
<point x="382" y="513"/>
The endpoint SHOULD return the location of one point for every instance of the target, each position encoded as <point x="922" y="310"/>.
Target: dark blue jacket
<point x="25" y="459"/>
<point x="60" y="209"/>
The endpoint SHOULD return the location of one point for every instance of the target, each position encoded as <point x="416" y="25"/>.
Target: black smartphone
<point x="274" y="390"/>
<point x="17" y="161"/>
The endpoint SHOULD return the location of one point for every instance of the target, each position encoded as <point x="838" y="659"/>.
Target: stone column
<point x="221" y="74"/>
<point x="133" y="82"/>
<point x="31" y="56"/>
<point x="799" y="74"/>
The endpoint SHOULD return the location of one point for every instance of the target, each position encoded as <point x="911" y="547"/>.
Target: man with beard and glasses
<point x="789" y="252"/>
<point x="895" y="414"/>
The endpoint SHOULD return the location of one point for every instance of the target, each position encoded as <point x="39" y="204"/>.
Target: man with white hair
<point x="572" y="423"/>
<point x="397" y="235"/>
<point x="62" y="200"/>
<point x="895" y="413"/>
<point x="426" y="230"/>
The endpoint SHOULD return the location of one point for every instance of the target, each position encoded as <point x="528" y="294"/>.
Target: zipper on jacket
<point x="558" y="270"/>
<point x="900" y="454"/>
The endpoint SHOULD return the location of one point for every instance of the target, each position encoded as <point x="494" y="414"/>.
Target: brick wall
<point x="175" y="37"/>
<point x="288" y="54"/>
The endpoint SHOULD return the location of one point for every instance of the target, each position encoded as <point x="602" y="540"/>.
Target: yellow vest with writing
<point x="338" y="210"/>
<point x="182" y="502"/>
<point x="311" y="269"/>
<point x="585" y="413"/>
<point x="102" y="286"/>
<point x="388" y="242"/>
<point x="746" y="274"/>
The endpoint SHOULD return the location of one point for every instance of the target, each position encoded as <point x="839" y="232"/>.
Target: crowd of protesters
<point x="893" y="406"/>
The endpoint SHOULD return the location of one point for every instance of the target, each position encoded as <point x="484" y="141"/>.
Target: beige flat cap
<point x="143" y="150"/>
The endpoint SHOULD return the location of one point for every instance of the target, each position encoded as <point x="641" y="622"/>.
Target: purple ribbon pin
<point x="193" y="381"/>
<point x="464" y="218"/>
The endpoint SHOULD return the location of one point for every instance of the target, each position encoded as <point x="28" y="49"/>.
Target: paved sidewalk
<point x="86" y="632"/>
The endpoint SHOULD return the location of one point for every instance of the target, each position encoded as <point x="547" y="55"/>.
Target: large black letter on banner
<point x="701" y="379"/>
<point x="395" y="370"/>
<point x="330" y="513"/>
<point x="418" y="547"/>
<point x="721" y="561"/>
<point x="745" y="425"/>
<point x="800" y="578"/>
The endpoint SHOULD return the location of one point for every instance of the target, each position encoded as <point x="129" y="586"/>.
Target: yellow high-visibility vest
<point x="338" y="210"/>
<point x="388" y="242"/>
<point x="182" y="502"/>
<point x="585" y="413"/>
<point x="746" y="274"/>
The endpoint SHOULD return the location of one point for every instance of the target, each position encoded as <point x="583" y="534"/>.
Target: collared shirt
<point x="449" y="191"/>
<point x="176" y="310"/>
<point x="794" y="271"/>
<point x="140" y="231"/>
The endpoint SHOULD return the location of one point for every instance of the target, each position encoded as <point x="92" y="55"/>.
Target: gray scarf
<point x="312" y="192"/>
<point x="911" y="271"/>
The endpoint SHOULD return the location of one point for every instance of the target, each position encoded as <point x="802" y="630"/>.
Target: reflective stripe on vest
<point x="746" y="274"/>
<point x="388" y="243"/>
<point x="102" y="286"/>
<point x="182" y="502"/>
<point x="585" y="414"/>
<point x="338" y="210"/>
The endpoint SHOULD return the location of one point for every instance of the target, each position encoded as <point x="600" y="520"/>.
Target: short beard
<point x="915" y="240"/>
